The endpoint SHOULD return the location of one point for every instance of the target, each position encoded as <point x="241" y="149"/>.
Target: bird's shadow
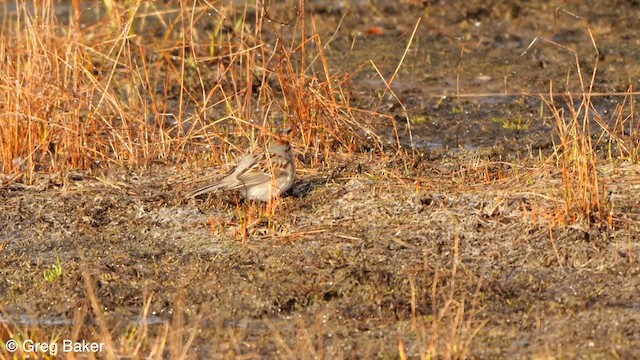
<point x="304" y="187"/>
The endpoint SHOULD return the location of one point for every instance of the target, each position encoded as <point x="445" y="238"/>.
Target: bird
<point x="261" y="176"/>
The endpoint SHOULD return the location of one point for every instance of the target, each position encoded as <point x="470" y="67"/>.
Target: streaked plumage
<point x="261" y="176"/>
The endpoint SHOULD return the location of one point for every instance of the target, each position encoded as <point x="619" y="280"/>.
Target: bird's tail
<point x="204" y="190"/>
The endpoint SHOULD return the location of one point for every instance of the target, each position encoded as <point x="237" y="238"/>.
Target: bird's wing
<point x="229" y="180"/>
<point x="262" y="170"/>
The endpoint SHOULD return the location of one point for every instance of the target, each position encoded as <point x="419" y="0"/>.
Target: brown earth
<point x="355" y="259"/>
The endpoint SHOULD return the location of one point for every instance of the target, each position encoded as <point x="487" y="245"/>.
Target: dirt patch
<point x="347" y="268"/>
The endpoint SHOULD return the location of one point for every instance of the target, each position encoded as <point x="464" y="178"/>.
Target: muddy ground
<point x="447" y="253"/>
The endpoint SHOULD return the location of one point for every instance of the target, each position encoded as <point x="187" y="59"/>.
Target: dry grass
<point x="138" y="341"/>
<point x="105" y="94"/>
<point x="81" y="96"/>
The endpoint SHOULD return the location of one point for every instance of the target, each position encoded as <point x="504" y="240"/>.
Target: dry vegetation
<point x="185" y="87"/>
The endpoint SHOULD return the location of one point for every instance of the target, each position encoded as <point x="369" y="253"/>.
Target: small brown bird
<point x="261" y="176"/>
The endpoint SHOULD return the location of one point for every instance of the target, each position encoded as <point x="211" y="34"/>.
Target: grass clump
<point x="83" y="96"/>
